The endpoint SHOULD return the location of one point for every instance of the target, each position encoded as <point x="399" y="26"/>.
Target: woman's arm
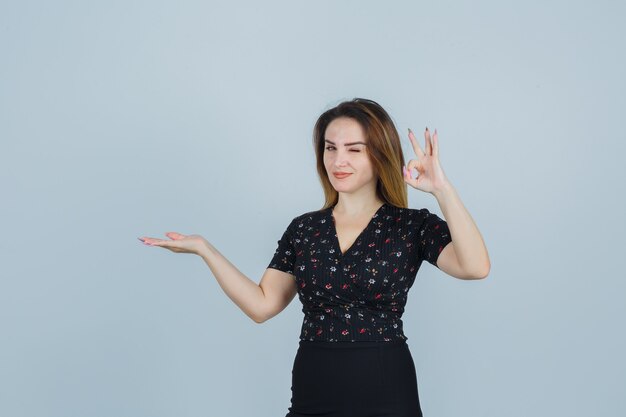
<point x="242" y="290"/>
<point x="261" y="301"/>
<point x="466" y="256"/>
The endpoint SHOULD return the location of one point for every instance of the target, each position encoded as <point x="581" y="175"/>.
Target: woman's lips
<point x="341" y="176"/>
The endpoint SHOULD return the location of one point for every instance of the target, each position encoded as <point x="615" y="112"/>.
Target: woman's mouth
<point x="341" y="175"/>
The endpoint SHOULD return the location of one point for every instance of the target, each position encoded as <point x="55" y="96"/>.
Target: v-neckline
<point x="358" y="238"/>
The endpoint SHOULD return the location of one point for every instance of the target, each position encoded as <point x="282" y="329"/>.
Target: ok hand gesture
<point x="431" y="177"/>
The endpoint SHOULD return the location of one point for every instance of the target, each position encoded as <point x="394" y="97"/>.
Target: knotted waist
<point x="351" y="323"/>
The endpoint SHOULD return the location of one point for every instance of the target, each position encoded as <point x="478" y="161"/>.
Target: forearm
<point x="244" y="292"/>
<point x="469" y="245"/>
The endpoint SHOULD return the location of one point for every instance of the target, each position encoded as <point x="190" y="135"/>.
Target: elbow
<point x="259" y="319"/>
<point x="258" y="312"/>
<point x="482" y="274"/>
<point x="477" y="273"/>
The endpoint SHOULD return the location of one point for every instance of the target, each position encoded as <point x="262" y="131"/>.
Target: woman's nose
<point x="341" y="158"/>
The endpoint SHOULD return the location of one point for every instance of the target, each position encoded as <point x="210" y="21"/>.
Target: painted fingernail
<point x="427" y="128"/>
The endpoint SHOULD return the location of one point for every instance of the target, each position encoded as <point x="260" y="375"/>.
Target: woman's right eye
<point x="328" y="148"/>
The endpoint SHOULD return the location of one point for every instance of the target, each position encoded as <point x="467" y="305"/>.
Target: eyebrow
<point x="347" y="144"/>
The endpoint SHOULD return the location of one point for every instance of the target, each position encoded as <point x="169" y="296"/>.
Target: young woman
<point x="352" y="264"/>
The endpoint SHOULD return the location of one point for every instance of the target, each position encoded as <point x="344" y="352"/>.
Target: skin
<point x="357" y="201"/>
<point x="465" y="257"/>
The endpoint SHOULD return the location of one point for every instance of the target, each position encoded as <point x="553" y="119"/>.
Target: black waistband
<point x="352" y="345"/>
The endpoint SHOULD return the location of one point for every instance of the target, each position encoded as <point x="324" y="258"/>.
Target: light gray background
<point x="126" y="119"/>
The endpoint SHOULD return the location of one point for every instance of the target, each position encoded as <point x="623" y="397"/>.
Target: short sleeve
<point x="284" y="258"/>
<point x="433" y="235"/>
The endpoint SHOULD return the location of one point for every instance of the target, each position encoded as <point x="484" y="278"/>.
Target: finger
<point x="429" y="148"/>
<point x="151" y="241"/>
<point x="416" y="146"/>
<point x="413" y="164"/>
<point x="175" y="236"/>
<point x="154" y="242"/>
<point x="168" y="244"/>
<point x="435" y="144"/>
<point x="407" y="175"/>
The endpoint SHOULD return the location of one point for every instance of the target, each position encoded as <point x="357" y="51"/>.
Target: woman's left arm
<point x="466" y="256"/>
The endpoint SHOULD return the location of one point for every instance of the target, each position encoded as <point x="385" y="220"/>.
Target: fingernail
<point x="140" y="239"/>
<point x="427" y="128"/>
<point x="410" y="130"/>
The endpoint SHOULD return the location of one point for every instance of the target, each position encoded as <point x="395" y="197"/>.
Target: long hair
<point x="383" y="149"/>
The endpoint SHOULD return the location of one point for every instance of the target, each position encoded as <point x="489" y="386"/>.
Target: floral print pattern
<point x="358" y="295"/>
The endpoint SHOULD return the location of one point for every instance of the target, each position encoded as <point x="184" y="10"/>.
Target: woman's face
<point x="345" y="151"/>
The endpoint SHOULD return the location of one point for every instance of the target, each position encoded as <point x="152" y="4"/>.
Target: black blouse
<point x="358" y="295"/>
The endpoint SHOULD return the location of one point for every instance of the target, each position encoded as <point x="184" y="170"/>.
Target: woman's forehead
<point x="345" y="131"/>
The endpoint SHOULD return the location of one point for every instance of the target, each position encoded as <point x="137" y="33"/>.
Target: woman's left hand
<point x="431" y="177"/>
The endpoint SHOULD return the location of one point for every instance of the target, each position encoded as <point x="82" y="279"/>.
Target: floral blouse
<point x="358" y="295"/>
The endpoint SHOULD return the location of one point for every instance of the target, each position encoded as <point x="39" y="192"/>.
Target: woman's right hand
<point x="179" y="243"/>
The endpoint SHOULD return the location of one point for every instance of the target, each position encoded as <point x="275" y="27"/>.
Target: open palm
<point x="178" y="242"/>
<point x="431" y="177"/>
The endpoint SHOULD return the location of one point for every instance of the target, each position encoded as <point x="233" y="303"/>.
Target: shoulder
<point x="407" y="214"/>
<point x="308" y="219"/>
<point x="413" y="217"/>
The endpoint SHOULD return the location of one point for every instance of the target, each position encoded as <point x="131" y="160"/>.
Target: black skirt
<point x="354" y="379"/>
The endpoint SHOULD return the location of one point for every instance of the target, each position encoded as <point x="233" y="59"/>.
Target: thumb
<point x="175" y="236"/>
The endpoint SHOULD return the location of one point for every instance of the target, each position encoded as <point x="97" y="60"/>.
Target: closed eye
<point x="353" y="150"/>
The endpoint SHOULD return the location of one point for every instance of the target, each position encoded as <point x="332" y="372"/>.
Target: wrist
<point x="205" y="249"/>
<point x="443" y="191"/>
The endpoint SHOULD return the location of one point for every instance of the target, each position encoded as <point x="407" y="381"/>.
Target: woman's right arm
<point x="260" y="301"/>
